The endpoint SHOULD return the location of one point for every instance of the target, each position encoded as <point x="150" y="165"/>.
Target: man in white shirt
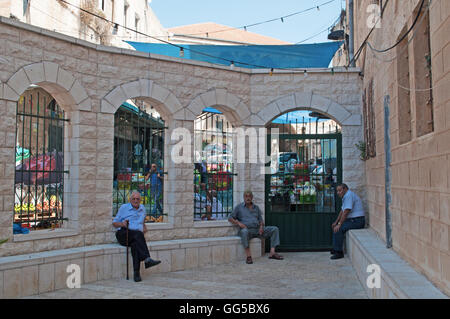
<point x="351" y="216"/>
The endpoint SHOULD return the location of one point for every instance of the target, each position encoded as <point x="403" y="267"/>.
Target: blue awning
<point x="302" y="56"/>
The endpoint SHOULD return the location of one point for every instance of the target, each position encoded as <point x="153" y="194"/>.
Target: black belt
<point x="359" y="217"/>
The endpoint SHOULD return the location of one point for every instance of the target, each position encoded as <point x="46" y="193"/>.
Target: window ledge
<point x="212" y="223"/>
<point x="45" y="234"/>
<point x="157" y="226"/>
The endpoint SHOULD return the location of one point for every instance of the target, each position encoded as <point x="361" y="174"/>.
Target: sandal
<point x="276" y="256"/>
<point x="249" y="260"/>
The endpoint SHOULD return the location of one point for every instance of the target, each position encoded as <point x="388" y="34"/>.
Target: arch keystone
<point x="146" y="87"/>
<point x="286" y="103"/>
<point x="51" y="72"/>
<point x="132" y="89"/>
<point x="320" y="103"/>
<point x="209" y="98"/>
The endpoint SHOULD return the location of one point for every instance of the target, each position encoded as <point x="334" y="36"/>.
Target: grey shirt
<point x="251" y="218"/>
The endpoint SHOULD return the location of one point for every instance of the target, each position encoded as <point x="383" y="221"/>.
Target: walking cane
<point x="127" y="222"/>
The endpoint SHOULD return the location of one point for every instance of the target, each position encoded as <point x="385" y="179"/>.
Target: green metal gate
<point x="300" y="192"/>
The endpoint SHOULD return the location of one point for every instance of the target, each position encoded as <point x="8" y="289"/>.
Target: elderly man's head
<point x="341" y="189"/>
<point x="135" y="199"/>
<point x="248" y="197"/>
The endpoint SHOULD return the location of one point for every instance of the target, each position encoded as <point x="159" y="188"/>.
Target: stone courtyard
<point x="301" y="275"/>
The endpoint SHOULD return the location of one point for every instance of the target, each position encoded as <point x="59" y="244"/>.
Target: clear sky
<point x="238" y="13"/>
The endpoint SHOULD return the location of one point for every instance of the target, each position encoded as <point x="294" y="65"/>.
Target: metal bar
<point x="43" y="117"/>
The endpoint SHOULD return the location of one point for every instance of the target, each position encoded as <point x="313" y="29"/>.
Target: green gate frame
<point x="304" y="230"/>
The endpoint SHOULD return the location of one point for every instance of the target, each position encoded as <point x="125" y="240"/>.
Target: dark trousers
<point x="136" y="241"/>
<point x="349" y="223"/>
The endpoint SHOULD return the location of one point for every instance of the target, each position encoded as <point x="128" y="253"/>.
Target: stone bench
<point x="398" y="278"/>
<point x="31" y="274"/>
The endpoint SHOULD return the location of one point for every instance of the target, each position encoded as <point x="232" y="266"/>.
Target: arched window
<point x="39" y="173"/>
<point x="213" y="166"/>
<point x="138" y="159"/>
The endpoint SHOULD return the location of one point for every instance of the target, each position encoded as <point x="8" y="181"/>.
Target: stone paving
<point x="300" y="275"/>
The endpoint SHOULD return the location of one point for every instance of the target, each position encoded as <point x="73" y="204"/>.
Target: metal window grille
<point x="306" y="173"/>
<point x="39" y="170"/>
<point x="138" y="143"/>
<point x="213" y="167"/>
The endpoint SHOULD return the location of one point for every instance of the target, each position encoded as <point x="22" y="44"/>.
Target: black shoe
<point x="332" y="251"/>
<point x="337" y="255"/>
<point x="137" y="276"/>
<point x="150" y="262"/>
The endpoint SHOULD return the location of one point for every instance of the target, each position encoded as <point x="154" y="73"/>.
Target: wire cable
<point x="404" y="36"/>
<point x="262" y="22"/>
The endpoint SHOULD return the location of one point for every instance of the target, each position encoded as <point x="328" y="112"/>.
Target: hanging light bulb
<point x="232" y="65"/>
<point x="181" y="52"/>
<point x="282" y="20"/>
<point x="318" y="9"/>
<point x="305" y="73"/>
<point x="271" y="72"/>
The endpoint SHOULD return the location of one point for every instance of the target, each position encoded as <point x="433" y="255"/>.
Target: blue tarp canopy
<point x="302" y="56"/>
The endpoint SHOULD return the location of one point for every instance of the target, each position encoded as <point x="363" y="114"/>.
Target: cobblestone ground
<point x="299" y="275"/>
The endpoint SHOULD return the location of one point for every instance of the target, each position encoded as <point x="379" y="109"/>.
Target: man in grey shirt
<point x="249" y="219"/>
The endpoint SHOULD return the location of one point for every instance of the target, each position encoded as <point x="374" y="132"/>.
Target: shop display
<point x="295" y="192"/>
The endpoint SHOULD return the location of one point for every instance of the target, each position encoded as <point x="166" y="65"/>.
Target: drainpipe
<point x="351" y="43"/>
<point x="388" y="174"/>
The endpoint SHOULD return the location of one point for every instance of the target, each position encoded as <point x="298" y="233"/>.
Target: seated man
<point x="133" y="215"/>
<point x="351" y="216"/>
<point x="249" y="218"/>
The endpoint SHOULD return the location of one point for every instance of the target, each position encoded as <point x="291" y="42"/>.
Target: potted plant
<point x="361" y="146"/>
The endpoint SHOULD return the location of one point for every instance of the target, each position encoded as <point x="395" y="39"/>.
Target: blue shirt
<point x="136" y="217"/>
<point x="155" y="180"/>
<point x="353" y="202"/>
<point x="251" y="218"/>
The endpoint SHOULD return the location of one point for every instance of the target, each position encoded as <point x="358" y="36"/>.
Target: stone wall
<point x="91" y="81"/>
<point x="419" y="167"/>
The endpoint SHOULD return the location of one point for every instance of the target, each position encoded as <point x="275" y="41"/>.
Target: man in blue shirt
<point x="133" y="216"/>
<point x="155" y="177"/>
<point x="351" y="216"/>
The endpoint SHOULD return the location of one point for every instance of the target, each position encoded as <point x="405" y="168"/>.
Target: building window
<point x="39" y="173"/>
<point x="213" y="166"/>
<point x="136" y="24"/>
<point x="414" y="78"/>
<point x="125" y="13"/>
<point x="403" y="93"/>
<point x="423" y="93"/>
<point x="25" y="6"/>
<point x="139" y="145"/>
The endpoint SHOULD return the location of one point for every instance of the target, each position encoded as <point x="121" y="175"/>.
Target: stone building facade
<point x="399" y="80"/>
<point x="130" y="20"/>
<point x="90" y="82"/>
